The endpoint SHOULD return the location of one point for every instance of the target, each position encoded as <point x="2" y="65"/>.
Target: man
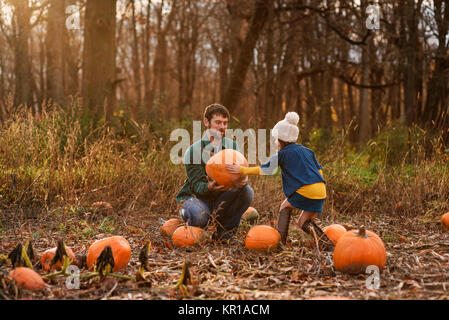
<point x="201" y="197"/>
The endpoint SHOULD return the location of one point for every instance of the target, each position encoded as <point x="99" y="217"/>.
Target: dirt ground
<point x="417" y="260"/>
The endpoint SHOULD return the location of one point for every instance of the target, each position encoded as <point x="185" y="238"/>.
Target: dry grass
<point x="53" y="169"/>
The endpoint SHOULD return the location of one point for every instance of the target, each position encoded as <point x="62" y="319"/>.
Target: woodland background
<point x="160" y="60"/>
<point x="90" y="91"/>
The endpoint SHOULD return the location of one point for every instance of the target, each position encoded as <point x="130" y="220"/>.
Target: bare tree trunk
<point x="55" y="41"/>
<point x="364" y="109"/>
<point x="240" y="69"/>
<point x="268" y="113"/>
<point x="410" y="76"/>
<point x="310" y="109"/>
<point x="146" y="60"/>
<point x="136" y="60"/>
<point x="437" y="104"/>
<point x="377" y="114"/>
<point x="40" y="93"/>
<point x="340" y="93"/>
<point x="299" y="103"/>
<point x="393" y="102"/>
<point x="99" y="72"/>
<point x="22" y="69"/>
<point x="2" y="88"/>
<point x="352" y="116"/>
<point x="326" y="102"/>
<point x="160" y="59"/>
<point x="72" y="65"/>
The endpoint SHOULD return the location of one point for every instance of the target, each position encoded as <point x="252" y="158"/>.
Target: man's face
<point x="217" y="124"/>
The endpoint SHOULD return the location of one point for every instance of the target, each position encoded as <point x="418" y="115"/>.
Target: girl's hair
<point x="284" y="144"/>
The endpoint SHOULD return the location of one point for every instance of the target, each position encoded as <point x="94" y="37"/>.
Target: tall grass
<point x="55" y="160"/>
<point x="51" y="160"/>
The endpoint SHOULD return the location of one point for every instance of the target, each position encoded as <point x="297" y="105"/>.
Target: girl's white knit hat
<point x="287" y="130"/>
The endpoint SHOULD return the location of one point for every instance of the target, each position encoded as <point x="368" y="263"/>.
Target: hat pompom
<point x="292" y="117"/>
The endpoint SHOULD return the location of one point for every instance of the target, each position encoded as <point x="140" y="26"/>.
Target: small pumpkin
<point x="250" y="215"/>
<point x="170" y="226"/>
<point x="262" y="238"/>
<point x="27" y="278"/>
<point x="215" y="167"/>
<point x="121" y="251"/>
<point x="445" y="221"/>
<point x="48" y="255"/>
<point x="334" y="232"/>
<point x="356" y="250"/>
<point x="186" y="236"/>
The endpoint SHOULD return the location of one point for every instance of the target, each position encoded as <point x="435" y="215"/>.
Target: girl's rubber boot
<point x="323" y="240"/>
<point x="283" y="223"/>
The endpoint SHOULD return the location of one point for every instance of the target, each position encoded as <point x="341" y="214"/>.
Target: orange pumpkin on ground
<point x="121" y="250"/>
<point x="186" y="236"/>
<point x="27" y="278"/>
<point x="356" y="250"/>
<point x="262" y="238"/>
<point x="215" y="167"/>
<point x="170" y="226"/>
<point x="334" y="232"/>
<point x="445" y="221"/>
<point x="48" y="255"/>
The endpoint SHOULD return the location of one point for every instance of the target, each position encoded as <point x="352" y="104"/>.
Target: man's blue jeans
<point x="227" y="209"/>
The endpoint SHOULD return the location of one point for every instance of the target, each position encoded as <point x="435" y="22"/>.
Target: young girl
<point x="302" y="179"/>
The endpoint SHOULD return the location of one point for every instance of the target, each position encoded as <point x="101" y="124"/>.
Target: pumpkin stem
<point x="29" y="250"/>
<point x="59" y="254"/>
<point x="362" y="232"/>
<point x="105" y="261"/>
<point x="27" y="259"/>
<point x="16" y="256"/>
<point x="143" y="256"/>
<point x="66" y="263"/>
<point x="185" y="275"/>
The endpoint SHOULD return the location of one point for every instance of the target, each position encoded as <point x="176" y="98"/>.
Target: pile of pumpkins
<point x="31" y="280"/>
<point x="354" y="250"/>
<point x="259" y="237"/>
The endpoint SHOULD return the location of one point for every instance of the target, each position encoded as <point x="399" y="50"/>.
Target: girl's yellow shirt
<point x="315" y="191"/>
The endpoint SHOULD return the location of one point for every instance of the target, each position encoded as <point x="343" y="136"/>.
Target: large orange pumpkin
<point x="262" y="238"/>
<point x="356" y="250"/>
<point x="445" y="221"/>
<point x="48" y="255"/>
<point x="27" y="278"/>
<point x="334" y="232"/>
<point x="170" y="226"/>
<point x="215" y="167"/>
<point x="121" y="250"/>
<point x="186" y="236"/>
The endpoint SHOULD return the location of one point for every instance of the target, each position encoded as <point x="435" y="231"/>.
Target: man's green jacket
<point x="195" y="159"/>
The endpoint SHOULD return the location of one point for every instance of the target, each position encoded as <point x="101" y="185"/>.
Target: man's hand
<point x="241" y="182"/>
<point x="214" y="186"/>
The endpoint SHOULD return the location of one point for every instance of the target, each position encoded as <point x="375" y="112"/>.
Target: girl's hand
<point x="233" y="168"/>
